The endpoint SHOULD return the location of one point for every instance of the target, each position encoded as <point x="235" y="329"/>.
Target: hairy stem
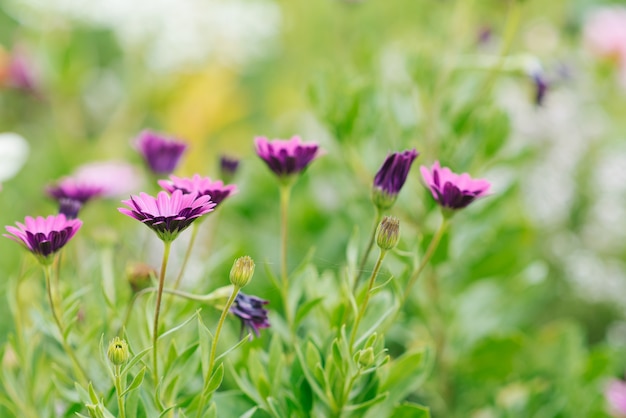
<point x="368" y="249"/>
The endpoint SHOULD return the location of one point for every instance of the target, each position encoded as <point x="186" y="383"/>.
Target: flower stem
<point x="285" y="192"/>
<point x="194" y="233"/>
<point x="157" y="310"/>
<point x="80" y="372"/>
<point x="218" y="330"/>
<point x="120" y="390"/>
<point x="366" y="254"/>
<point x="434" y="243"/>
<point x="357" y="321"/>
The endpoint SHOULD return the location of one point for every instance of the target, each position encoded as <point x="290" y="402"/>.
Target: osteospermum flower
<point x="453" y="191"/>
<point x="615" y="394"/>
<point x="44" y="236"/>
<point x="202" y="186"/>
<point x="391" y="177"/>
<point x="251" y="312"/>
<point x="167" y="215"/>
<point x="162" y="154"/>
<point x="72" y="194"/>
<point x="286" y="157"/>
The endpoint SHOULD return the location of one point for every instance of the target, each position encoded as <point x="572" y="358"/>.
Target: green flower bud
<point x="388" y="233"/>
<point x="139" y="276"/>
<point x="118" y="351"/>
<point x="242" y="271"/>
<point x="365" y="358"/>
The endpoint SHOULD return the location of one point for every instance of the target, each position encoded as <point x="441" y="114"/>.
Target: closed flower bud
<point x="139" y="276"/>
<point x="365" y="358"/>
<point x="118" y="351"/>
<point x="388" y="233"/>
<point x="242" y="271"/>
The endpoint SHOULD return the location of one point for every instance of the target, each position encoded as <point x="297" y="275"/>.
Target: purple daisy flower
<point x="162" y="154"/>
<point x="202" y="186"/>
<point x="286" y="157"/>
<point x="44" y="236"/>
<point x="251" y="312"/>
<point x="167" y="215"/>
<point x="391" y="177"/>
<point x="453" y="191"/>
<point x="72" y="194"/>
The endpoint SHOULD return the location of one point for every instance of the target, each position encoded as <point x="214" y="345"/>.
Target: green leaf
<point x="411" y="410"/>
<point x="377" y="399"/>
<point x="313" y="357"/>
<point x="216" y="380"/>
<point x="206" y="337"/>
<point x="234" y="347"/>
<point x="137" y="380"/>
<point x="136" y="359"/>
<point x="177" y="327"/>
<point x="305" y="309"/>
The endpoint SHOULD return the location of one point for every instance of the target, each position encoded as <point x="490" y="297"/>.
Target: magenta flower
<point x="201" y="186"/>
<point x="251" y="312"/>
<point x="286" y="157"/>
<point x="162" y="154"/>
<point x="615" y="395"/>
<point x="44" y="236"/>
<point x="453" y="191"/>
<point x="167" y="215"/>
<point x="72" y="194"/>
<point x="391" y="177"/>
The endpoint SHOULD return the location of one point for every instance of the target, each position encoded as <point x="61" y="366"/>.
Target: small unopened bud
<point x="118" y="351"/>
<point x="139" y="276"/>
<point x="365" y="358"/>
<point x="388" y="233"/>
<point x="242" y="271"/>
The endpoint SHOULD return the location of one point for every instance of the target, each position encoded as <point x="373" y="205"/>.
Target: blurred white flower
<point x="13" y="154"/>
<point x="174" y="33"/>
<point x="116" y="178"/>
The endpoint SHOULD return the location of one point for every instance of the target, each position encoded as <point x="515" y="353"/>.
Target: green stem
<point x="120" y="390"/>
<point x="285" y="192"/>
<point x="194" y="233"/>
<point x="220" y="324"/>
<point x="357" y="321"/>
<point x="80" y="372"/>
<point x="157" y="310"/>
<point x="434" y="243"/>
<point x="366" y="254"/>
<point x="346" y="395"/>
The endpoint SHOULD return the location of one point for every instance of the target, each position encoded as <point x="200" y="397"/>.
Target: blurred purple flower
<point x="167" y="215"/>
<point x="228" y="167"/>
<point x="44" y="236"/>
<point x="615" y="394"/>
<point x="20" y="71"/>
<point x="541" y="86"/>
<point x="453" y="191"/>
<point x="72" y="194"/>
<point x="251" y="312"/>
<point x="202" y="186"/>
<point x="286" y="157"/>
<point x="391" y="177"/>
<point x="162" y="154"/>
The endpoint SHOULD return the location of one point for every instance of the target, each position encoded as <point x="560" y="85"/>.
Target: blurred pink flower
<point x="115" y="178"/>
<point x="453" y="191"/>
<point x="217" y="190"/>
<point x="615" y="394"/>
<point x="605" y="36"/>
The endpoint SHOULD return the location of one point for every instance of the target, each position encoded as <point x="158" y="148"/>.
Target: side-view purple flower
<point x="167" y="215"/>
<point x="286" y="157"/>
<point x="391" y="177"/>
<point x="217" y="190"/>
<point x="44" y="237"/>
<point x="161" y="153"/>
<point x="453" y="191"/>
